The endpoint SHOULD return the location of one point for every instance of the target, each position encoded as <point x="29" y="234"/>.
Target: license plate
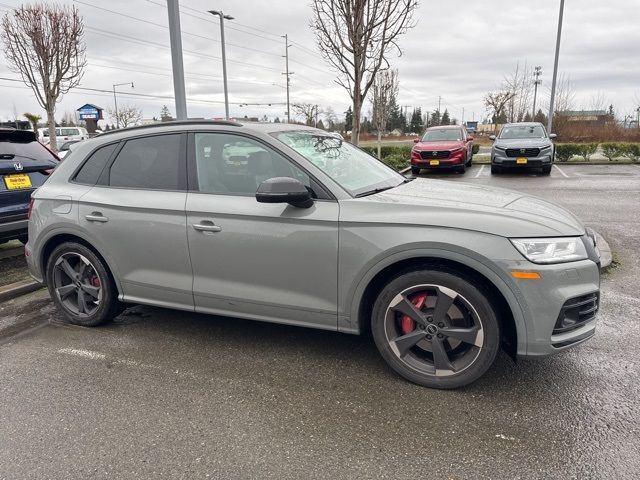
<point x="521" y="161"/>
<point x="434" y="162"/>
<point x="16" y="182"/>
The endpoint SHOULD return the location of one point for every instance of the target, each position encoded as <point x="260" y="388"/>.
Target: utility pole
<point x="287" y="73"/>
<point x="115" y="100"/>
<point x="536" y="81"/>
<point x="175" y="39"/>
<point x="316" y="116"/>
<point x="638" y="117"/>
<point x="223" y="17"/>
<point x="462" y="121"/>
<point x="555" y="68"/>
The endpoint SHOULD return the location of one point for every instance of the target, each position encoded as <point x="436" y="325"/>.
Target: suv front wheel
<point x="81" y="286"/>
<point x="435" y="328"/>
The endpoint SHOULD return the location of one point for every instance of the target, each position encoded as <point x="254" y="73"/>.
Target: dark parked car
<point x="442" y="147"/>
<point x="24" y="165"/>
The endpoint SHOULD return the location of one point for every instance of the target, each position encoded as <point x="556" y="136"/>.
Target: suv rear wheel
<point x="435" y="328"/>
<point x="81" y="286"/>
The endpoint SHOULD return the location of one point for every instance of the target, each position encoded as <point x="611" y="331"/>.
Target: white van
<point x="63" y="134"/>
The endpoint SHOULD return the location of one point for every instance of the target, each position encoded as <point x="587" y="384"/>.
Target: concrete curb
<point x="606" y="257"/>
<point x="16" y="289"/>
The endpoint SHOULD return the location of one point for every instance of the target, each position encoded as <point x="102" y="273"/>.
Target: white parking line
<point x="479" y="171"/>
<point x="561" y="171"/>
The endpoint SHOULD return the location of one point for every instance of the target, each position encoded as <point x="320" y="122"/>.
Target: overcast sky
<point x="457" y="50"/>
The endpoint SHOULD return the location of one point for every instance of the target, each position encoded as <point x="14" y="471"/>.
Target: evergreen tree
<point x="416" y="121"/>
<point x="527" y="117"/>
<point x="445" y="118"/>
<point x="277" y="120"/>
<point x="165" y="114"/>
<point x="435" y="118"/>
<point x="540" y="117"/>
<point x="320" y="124"/>
<point x="348" y="119"/>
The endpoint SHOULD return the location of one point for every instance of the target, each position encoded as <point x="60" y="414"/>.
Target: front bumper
<point x="500" y="159"/>
<point x="444" y="163"/>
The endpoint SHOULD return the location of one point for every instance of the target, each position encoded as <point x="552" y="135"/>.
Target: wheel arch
<point x="505" y="302"/>
<point x="58" y="239"/>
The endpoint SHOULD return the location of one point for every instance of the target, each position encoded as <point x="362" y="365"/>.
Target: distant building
<point x="587" y="118"/>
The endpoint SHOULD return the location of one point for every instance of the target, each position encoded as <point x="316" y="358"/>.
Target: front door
<point x="135" y="215"/>
<point x="271" y="262"/>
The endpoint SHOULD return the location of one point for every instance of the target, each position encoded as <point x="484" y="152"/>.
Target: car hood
<point x="438" y="145"/>
<point x="465" y="206"/>
<point x="522" y="142"/>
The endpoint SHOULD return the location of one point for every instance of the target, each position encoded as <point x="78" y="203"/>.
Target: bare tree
<point x="44" y="44"/>
<point x="520" y="83"/>
<point x="308" y="110"/>
<point x="383" y="93"/>
<point x="496" y="103"/>
<point x="598" y="101"/>
<point x="126" y="115"/>
<point x="355" y="37"/>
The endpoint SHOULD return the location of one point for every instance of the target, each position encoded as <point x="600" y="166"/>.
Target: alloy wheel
<point x="77" y="284"/>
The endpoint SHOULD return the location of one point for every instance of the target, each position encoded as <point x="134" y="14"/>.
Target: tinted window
<point x="522" y="131"/>
<point x="21" y="145"/>
<point x="237" y="165"/>
<point x="66" y="132"/>
<point x="92" y="168"/>
<point x="150" y="162"/>
<point x="443" y="135"/>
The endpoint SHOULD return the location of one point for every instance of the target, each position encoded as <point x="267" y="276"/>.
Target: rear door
<point x="24" y="166"/>
<point x="136" y="215"/>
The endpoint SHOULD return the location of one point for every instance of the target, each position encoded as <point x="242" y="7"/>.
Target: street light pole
<point x="177" y="65"/>
<point x="224" y="58"/>
<point x="286" y="56"/>
<point x="115" y="100"/>
<point x="555" y="68"/>
<point x="536" y="75"/>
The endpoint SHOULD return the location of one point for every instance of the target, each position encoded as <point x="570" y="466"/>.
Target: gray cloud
<point x="457" y="50"/>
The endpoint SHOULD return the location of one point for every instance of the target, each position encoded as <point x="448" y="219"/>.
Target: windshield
<point x="522" y="131"/>
<point x="445" y="135"/>
<point x="353" y="169"/>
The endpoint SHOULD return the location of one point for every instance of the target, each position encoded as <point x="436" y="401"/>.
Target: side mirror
<point x="492" y="137"/>
<point x="552" y="136"/>
<point x="284" y="190"/>
<point x="416" y="140"/>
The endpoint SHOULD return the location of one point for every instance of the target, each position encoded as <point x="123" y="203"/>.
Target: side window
<point x="149" y="162"/>
<point x="233" y="164"/>
<point x="92" y="168"/>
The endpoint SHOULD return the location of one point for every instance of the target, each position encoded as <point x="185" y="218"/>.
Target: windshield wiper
<point x="372" y="192"/>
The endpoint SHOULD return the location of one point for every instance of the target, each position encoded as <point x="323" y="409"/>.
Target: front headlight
<point x="551" y="250"/>
<point x="502" y="149"/>
<point x="546" y="147"/>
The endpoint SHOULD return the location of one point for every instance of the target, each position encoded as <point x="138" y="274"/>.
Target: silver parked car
<point x="284" y="223"/>
<point x="522" y="145"/>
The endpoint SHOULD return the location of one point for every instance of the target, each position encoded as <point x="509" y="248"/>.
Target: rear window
<point x="92" y="168"/>
<point x="22" y="143"/>
<point x="66" y="132"/>
<point x="149" y="163"/>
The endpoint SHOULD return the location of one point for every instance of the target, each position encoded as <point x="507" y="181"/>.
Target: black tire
<point x="470" y="313"/>
<point x="469" y="160"/>
<point x="495" y="169"/>
<point x="93" y="300"/>
<point x="462" y="169"/>
<point x="546" y="170"/>
<point x="415" y="170"/>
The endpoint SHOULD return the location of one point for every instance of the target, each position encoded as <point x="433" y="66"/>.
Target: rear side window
<point x="92" y="168"/>
<point x="150" y="163"/>
<point x="13" y="145"/>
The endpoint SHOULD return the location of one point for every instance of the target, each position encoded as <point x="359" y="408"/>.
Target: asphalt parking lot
<point x="164" y="394"/>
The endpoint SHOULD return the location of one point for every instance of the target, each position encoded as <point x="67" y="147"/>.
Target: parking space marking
<point x="561" y="171"/>
<point x="479" y="171"/>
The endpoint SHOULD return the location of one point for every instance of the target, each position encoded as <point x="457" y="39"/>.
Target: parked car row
<point x="517" y="146"/>
<point x="285" y="223"/>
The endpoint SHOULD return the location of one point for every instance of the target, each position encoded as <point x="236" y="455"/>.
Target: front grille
<point x="576" y="312"/>
<point x="433" y="154"/>
<point x="522" y="152"/>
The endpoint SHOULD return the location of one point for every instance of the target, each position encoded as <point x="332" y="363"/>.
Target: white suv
<point x="63" y="134"/>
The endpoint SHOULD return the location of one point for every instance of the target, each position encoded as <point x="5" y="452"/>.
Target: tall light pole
<point x="223" y="17"/>
<point x="536" y="81"/>
<point x="175" y="38"/>
<point x="555" y="68"/>
<point x="115" y="100"/>
<point x="287" y="73"/>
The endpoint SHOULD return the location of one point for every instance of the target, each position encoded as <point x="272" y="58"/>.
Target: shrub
<point x="612" y="150"/>
<point x="565" y="151"/>
<point x="475" y="149"/>
<point x="396" y="161"/>
<point x="586" y="150"/>
<point x="631" y="151"/>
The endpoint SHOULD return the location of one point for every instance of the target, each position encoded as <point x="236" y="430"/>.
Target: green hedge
<point x="631" y="151"/>
<point x="475" y="149"/>
<point x="586" y="150"/>
<point x="611" y="150"/>
<point x="396" y="156"/>
<point x="564" y="151"/>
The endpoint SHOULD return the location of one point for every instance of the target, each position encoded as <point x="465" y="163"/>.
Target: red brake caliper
<point x="406" y="324"/>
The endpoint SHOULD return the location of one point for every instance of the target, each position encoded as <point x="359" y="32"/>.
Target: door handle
<point x="96" y="217"/>
<point x="207" y="226"/>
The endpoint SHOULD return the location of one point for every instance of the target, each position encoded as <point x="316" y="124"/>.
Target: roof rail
<point x="198" y="121"/>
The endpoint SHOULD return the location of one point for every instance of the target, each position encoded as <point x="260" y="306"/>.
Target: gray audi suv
<point x="523" y="146"/>
<point x="289" y="224"/>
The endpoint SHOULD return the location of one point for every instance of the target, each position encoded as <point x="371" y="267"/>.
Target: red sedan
<point x="442" y="147"/>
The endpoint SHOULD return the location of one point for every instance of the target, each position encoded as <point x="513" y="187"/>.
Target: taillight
<point x="30" y="208"/>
